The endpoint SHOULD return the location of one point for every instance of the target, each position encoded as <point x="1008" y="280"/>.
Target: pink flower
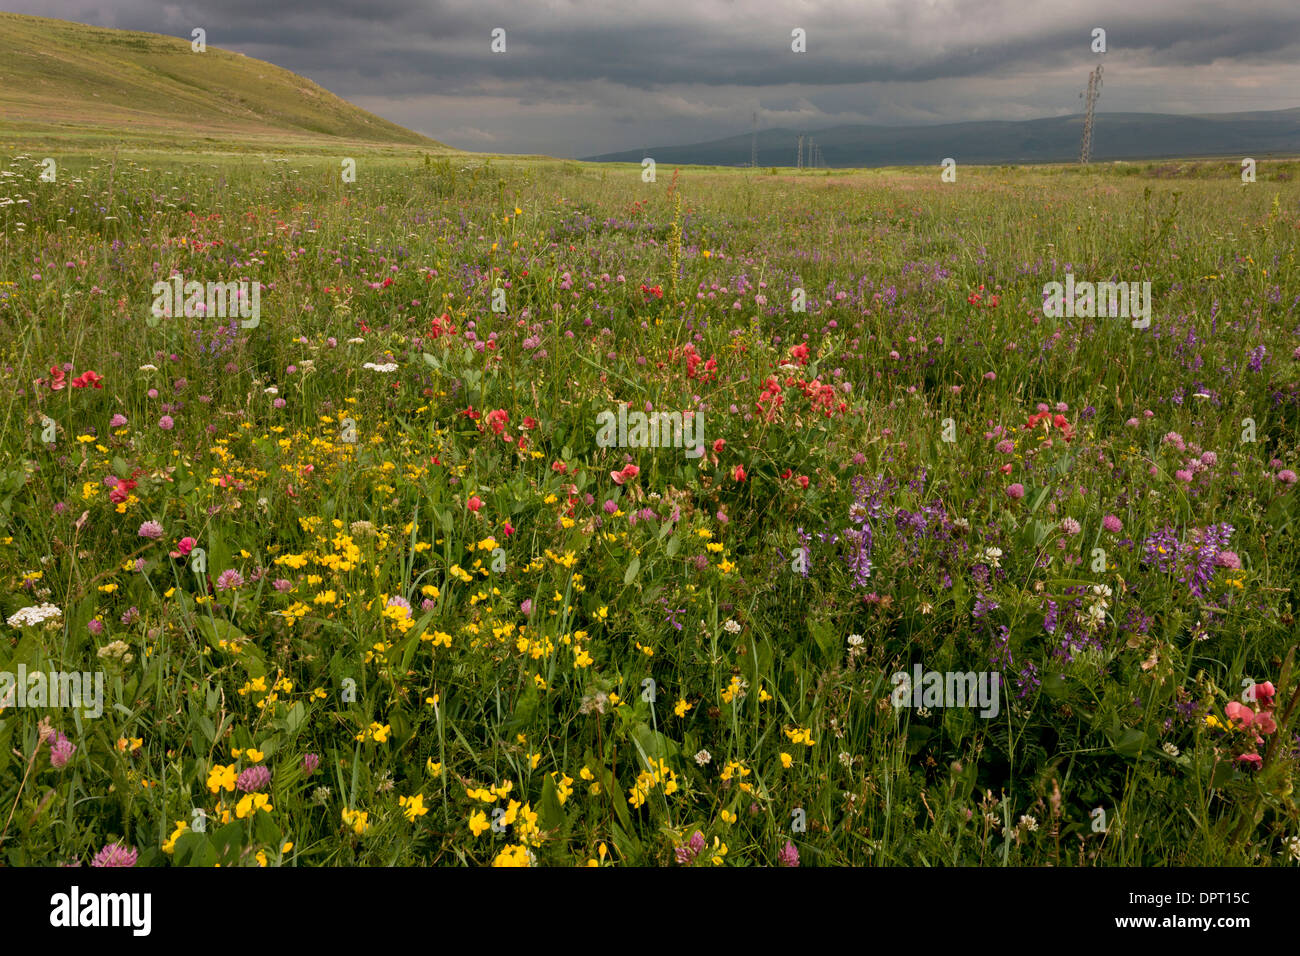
<point x="1016" y="491"/>
<point x="789" y="855"/>
<point x="1255" y="760"/>
<point x="1005" y="447"/>
<point x="1112" y="524"/>
<point x="115" y="854"/>
<point x="117" y="421"/>
<point x="61" y="752"/>
<point x="1239" y="713"/>
<point x="184" y="547"/>
<point x="474" y="503"/>
<point x="629" y="472"/>
<point x="166" y="423"/>
<point x="1286" y="476"/>
<point x="1265" y="723"/>
<point x="229" y="580"/>
<point x="1228" y="559"/>
<point x="151" y="530"/>
<point x="1263" y="694"/>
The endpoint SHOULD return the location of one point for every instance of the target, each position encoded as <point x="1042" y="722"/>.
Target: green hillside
<point x="76" y="82"/>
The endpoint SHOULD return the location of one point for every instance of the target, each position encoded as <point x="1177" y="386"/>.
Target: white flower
<point x="992" y="556"/>
<point x="703" y="757"/>
<point x="148" y="368"/>
<point x="31" y="616"/>
<point x="855" y="640"/>
<point x="1169" y="748"/>
<point x="1293" y="847"/>
<point x="846" y="759"/>
<point x="731" y="627"/>
<point x="1029" y="823"/>
<point x="271" y="391"/>
<point x="386" y="367"/>
<point x="356" y="341"/>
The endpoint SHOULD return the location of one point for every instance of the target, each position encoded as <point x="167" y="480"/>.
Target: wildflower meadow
<point x="386" y="508"/>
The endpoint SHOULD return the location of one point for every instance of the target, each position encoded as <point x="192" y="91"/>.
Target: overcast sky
<point x="581" y="77"/>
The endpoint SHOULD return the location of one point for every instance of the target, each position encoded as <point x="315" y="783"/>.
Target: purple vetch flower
<point x="115" y="854"/>
<point x="253" y="779"/>
<point x="789" y="855"/>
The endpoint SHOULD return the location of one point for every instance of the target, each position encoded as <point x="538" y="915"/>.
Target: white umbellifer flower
<point x="855" y="640"/>
<point x="148" y="368"/>
<point x="731" y="627"/>
<point x="386" y="367"/>
<point x="119" y="650"/>
<point x="271" y="391"/>
<point x="356" y="341"/>
<point x="32" y="616"/>
<point x="703" y="757"/>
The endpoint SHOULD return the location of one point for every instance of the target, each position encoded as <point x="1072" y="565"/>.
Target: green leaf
<point x="633" y="570"/>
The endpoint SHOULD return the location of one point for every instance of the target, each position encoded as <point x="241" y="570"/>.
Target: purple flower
<point x="309" y="764"/>
<point x="1112" y="524"/>
<point x="789" y="855"/>
<point x="115" y="854"/>
<point x="61" y="752"/>
<point x="253" y="779"/>
<point x="1016" y="492"/>
<point x="686" y="854"/>
<point x="1286" y="476"/>
<point x="95" y="627"/>
<point x="229" y="580"/>
<point x="527" y="606"/>
<point x="281" y="585"/>
<point x="151" y="530"/>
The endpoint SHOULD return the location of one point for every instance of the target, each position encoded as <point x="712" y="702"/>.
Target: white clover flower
<point x="703" y="757"/>
<point x="731" y="627"/>
<point x="855" y="640"/>
<point x="1169" y="748"/>
<point x="271" y="391"/>
<point x="1029" y="823"/>
<point x="992" y="557"/>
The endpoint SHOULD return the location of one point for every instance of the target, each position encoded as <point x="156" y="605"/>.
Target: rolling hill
<point x="73" y="81"/>
<point x="1054" y="140"/>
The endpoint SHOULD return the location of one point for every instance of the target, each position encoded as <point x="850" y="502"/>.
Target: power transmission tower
<point x="1094" y="91"/>
<point x="799" y="162"/>
<point x="812" y="153"/>
<point x="753" y="144"/>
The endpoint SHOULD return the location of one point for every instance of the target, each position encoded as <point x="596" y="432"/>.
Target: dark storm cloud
<point x="577" y="75"/>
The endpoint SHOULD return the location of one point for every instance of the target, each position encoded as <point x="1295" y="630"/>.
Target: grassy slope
<point x="73" y="83"/>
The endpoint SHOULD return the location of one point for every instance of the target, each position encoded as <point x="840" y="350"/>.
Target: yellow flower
<point x="786" y="760"/>
<point x="414" y="806"/>
<point x="435" y="769"/>
<point x="221" y="778"/>
<point x="170" y="846"/>
<point x="681" y="707"/>
<point x="513" y="855"/>
<point x="478" y="822"/>
<point x="255" y="755"/>
<point x="357" y="820"/>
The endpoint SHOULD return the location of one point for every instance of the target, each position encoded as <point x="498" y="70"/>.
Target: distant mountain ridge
<point x="74" y="79"/>
<point x="1116" y="136"/>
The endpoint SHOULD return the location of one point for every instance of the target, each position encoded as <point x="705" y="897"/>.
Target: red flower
<point x="738" y="473"/>
<point x="474" y="503"/>
<point x="803" y="481"/>
<point x="627" y="474"/>
<point x="509" y="529"/>
<point x="497" y="420"/>
<point x="57" y="377"/>
<point x="800" y="353"/>
<point x="529" y="423"/>
<point x="719" y="445"/>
